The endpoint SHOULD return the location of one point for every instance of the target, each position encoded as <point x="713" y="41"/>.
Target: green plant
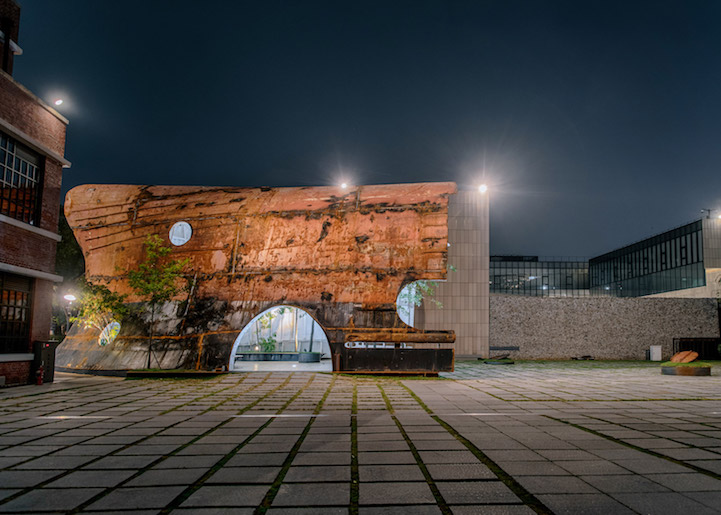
<point x="415" y="293"/>
<point x="156" y="279"/>
<point x="99" y="307"/>
<point x="267" y="344"/>
<point x="69" y="259"/>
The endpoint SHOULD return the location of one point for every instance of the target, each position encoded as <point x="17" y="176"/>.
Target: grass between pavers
<point x="440" y="501"/>
<point x="354" y="470"/>
<point x="569" y="363"/>
<point x="173" y="373"/>
<point x="462" y="364"/>
<point x="391" y="377"/>
<point x="275" y="487"/>
<point x="650" y="452"/>
<point x="140" y="471"/>
<point x="519" y="490"/>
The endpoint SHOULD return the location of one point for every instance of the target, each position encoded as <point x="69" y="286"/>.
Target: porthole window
<point x="109" y="334"/>
<point x="180" y="233"/>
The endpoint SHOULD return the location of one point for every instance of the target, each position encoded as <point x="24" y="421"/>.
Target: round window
<point x="109" y="334"/>
<point x="180" y="233"/>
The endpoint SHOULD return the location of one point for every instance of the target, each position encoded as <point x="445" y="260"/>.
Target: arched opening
<point x="411" y="297"/>
<point x="281" y="338"/>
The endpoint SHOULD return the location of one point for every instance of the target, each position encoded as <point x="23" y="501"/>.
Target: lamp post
<point x="70" y="298"/>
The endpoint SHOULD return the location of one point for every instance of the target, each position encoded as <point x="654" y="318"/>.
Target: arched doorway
<point x="279" y="339"/>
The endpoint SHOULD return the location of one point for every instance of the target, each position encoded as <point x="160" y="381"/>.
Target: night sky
<point x="594" y="123"/>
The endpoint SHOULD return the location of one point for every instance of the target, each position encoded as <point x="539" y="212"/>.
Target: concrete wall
<point x="603" y="327"/>
<point x="464" y="295"/>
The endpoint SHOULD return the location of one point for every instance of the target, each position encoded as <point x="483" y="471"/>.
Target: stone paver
<point x="585" y="437"/>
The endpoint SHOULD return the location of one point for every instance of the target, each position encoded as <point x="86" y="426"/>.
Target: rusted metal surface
<point x="343" y="256"/>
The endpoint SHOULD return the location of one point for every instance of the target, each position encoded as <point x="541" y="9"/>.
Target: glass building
<point x="674" y="260"/>
<point x="527" y="275"/>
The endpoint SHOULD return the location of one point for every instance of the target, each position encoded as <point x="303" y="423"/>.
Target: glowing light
<point x="58" y="102"/>
<point x="70" y="297"/>
<point x="344" y="185"/>
<point x="482" y="188"/>
<point x="719" y="216"/>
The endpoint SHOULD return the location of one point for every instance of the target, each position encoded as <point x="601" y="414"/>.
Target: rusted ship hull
<point x="341" y="256"/>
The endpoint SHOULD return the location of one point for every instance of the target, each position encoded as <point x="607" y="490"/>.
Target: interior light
<point x="58" y="102"/>
<point x="70" y="297"/>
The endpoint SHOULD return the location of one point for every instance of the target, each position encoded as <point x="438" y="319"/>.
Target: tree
<point x="413" y="294"/>
<point x="99" y="307"/>
<point x="156" y="279"/>
<point x="69" y="260"/>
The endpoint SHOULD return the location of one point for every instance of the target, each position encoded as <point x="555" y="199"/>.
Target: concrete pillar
<point x="465" y="294"/>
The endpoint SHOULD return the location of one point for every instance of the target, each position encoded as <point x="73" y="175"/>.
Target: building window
<point x="20" y="181"/>
<point x="14" y="313"/>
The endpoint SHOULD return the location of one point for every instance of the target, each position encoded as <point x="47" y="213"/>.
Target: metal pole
<point x="295" y="327"/>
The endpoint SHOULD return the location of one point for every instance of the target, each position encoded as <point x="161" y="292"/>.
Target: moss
<point x="692" y="364"/>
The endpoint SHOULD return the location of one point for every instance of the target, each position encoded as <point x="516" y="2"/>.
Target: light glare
<point x="344" y="185"/>
<point x="70" y="297"/>
<point x="482" y="188"/>
<point x="58" y="102"/>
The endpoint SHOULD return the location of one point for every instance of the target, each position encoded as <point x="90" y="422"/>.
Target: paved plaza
<point x="573" y="437"/>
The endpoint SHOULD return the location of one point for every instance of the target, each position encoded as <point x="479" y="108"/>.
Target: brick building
<point x="32" y="146"/>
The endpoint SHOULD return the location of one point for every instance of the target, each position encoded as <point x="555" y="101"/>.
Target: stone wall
<point x="603" y="327"/>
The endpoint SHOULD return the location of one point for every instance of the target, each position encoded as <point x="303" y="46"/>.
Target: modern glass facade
<point x="670" y="261"/>
<point x="526" y="275"/>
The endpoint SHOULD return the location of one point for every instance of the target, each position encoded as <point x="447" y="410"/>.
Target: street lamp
<point x="70" y="298"/>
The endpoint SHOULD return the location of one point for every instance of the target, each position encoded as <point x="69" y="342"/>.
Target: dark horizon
<point x="594" y="124"/>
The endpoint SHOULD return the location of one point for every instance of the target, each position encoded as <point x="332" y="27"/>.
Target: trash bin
<point x="655" y="352"/>
<point x="45" y="355"/>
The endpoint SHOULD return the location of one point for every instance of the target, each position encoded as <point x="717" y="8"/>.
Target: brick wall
<point x="15" y="372"/>
<point x="20" y="247"/>
<point x="23" y="110"/>
<point x="26" y="249"/>
<point x="50" y="212"/>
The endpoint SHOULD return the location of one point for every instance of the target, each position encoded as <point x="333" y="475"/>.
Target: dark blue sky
<point x="595" y="123"/>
